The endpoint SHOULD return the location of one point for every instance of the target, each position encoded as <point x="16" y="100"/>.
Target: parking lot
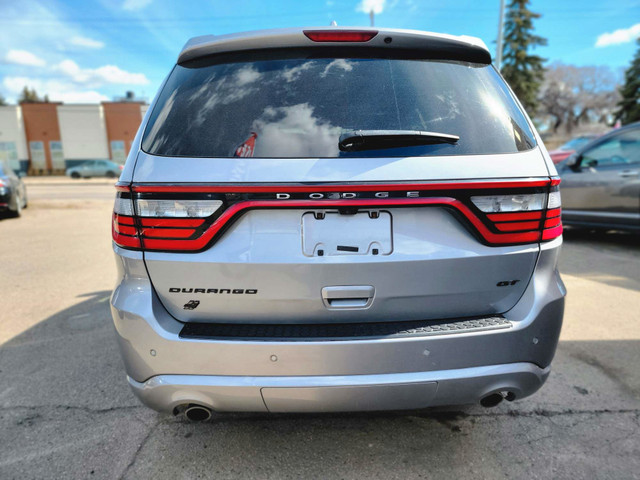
<point x="66" y="410"/>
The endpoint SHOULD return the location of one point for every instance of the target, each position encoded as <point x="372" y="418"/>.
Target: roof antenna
<point x="333" y="23"/>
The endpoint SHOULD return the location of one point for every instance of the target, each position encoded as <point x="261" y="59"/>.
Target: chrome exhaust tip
<point x="197" y="413"/>
<point x="491" y="400"/>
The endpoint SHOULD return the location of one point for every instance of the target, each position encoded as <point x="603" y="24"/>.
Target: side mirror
<point x="573" y="162"/>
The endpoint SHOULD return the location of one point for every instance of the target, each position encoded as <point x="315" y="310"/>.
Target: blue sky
<point x="93" y="50"/>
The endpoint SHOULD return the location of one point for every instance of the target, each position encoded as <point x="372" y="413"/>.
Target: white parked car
<point x="95" y="168"/>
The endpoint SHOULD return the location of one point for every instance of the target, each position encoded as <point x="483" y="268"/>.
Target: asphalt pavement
<point x="66" y="410"/>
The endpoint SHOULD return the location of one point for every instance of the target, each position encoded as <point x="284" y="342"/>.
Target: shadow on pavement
<point x="66" y="412"/>
<point x="606" y="257"/>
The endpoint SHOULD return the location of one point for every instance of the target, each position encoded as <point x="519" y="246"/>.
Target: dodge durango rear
<point x="336" y="220"/>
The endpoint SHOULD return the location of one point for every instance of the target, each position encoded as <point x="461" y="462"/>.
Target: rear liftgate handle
<point x="348" y="296"/>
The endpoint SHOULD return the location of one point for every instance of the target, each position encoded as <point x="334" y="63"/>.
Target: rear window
<point x="294" y="104"/>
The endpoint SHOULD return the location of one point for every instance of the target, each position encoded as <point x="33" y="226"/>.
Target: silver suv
<point x="336" y="220"/>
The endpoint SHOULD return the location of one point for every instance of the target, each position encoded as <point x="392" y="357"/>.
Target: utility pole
<point x="500" y="36"/>
<point x="371" y="16"/>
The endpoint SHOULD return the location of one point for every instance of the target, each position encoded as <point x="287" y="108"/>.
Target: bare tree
<point x="571" y="95"/>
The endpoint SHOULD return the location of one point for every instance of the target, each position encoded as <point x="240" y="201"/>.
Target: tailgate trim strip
<point x="339" y="331"/>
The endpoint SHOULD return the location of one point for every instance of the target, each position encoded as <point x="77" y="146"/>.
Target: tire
<point x="18" y="211"/>
<point x="75" y="175"/>
<point x="111" y="175"/>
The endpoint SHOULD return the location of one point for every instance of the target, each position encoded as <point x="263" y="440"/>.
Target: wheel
<point x="111" y="175"/>
<point x="18" y="211"/>
<point x="75" y="175"/>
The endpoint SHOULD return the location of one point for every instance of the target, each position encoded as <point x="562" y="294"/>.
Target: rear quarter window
<point x="293" y="104"/>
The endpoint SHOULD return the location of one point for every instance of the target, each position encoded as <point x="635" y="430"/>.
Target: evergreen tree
<point x="629" y="110"/>
<point x="522" y="69"/>
<point x="2" y="101"/>
<point x="29" y="95"/>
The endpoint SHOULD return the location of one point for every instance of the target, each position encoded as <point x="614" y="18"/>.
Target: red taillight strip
<point x="357" y="187"/>
<point x="125" y="240"/>
<point x="551" y="233"/>
<point x="123" y="219"/>
<point x="552" y="222"/>
<point x="552" y="227"/>
<point x="171" y="222"/>
<point x="554" y="212"/>
<point x="167" y="232"/>
<point x="124" y="229"/>
<point x="123" y="187"/>
<point x="514" y="217"/>
<point x="202" y="241"/>
<point x="175" y="230"/>
<point x="517" y="226"/>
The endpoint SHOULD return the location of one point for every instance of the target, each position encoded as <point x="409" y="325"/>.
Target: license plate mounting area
<point x="332" y="233"/>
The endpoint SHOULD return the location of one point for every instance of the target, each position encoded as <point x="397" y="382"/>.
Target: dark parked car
<point x="601" y="182"/>
<point x="13" y="194"/>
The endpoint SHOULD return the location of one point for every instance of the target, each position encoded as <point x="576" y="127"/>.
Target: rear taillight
<point x="123" y="225"/>
<point x="340" y="35"/>
<point x="189" y="218"/>
<point x="552" y="227"/>
<point x="528" y="217"/>
<point x="156" y="223"/>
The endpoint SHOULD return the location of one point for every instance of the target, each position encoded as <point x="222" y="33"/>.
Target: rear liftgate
<point x="337" y="253"/>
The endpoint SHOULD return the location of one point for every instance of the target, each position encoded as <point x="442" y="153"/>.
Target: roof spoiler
<point x="432" y="45"/>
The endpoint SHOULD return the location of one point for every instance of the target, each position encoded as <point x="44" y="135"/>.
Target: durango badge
<point x="232" y="291"/>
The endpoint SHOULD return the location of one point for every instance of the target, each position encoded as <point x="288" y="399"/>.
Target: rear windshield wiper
<point x="357" y="140"/>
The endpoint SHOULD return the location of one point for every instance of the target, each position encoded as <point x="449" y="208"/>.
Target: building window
<point x="57" y="155"/>
<point x="38" y="159"/>
<point x="9" y="154"/>
<point x="118" y="153"/>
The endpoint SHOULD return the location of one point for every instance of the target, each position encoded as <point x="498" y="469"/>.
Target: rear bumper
<point x="394" y="391"/>
<point x="166" y="370"/>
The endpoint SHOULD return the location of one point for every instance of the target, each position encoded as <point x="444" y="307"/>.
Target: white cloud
<point x="247" y="75"/>
<point x="22" y="57"/>
<point x="135" y="4"/>
<point x="85" y="42"/>
<point x="107" y="74"/>
<point x="279" y="130"/>
<point x="623" y="35"/>
<point x="366" y="6"/>
<point x="291" y="74"/>
<point x="56" y="90"/>
<point x="339" y="63"/>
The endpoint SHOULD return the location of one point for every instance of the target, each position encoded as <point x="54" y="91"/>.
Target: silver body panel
<point x="150" y="344"/>
<point x="435" y="269"/>
<point x="395" y="391"/>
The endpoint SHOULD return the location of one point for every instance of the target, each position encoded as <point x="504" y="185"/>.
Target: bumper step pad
<point x="338" y="331"/>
